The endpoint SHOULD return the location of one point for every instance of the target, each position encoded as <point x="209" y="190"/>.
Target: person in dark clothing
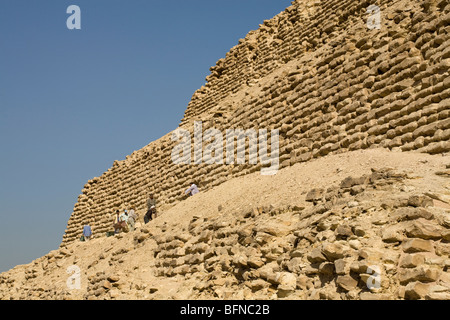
<point x="151" y="209"/>
<point x="118" y="224"/>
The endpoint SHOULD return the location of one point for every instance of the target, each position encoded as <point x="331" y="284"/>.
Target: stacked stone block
<point x="320" y="76"/>
<point x="368" y="237"/>
<point x="356" y="241"/>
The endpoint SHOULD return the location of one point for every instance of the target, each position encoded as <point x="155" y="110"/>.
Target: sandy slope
<point x="133" y="264"/>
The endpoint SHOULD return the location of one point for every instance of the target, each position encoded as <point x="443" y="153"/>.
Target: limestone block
<point x="417" y="245"/>
<point x="335" y="251"/>
<point x="316" y="256"/>
<point x="408" y="213"/>
<point x="346" y="282"/>
<point x="421" y="273"/>
<point x="412" y="260"/>
<point x="425" y="229"/>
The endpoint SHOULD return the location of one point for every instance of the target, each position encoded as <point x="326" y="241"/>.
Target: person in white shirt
<point x="193" y="189"/>
<point x="132" y="217"/>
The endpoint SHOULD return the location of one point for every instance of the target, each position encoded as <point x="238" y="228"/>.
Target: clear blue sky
<point x="73" y="101"/>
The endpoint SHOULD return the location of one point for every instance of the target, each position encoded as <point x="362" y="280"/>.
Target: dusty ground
<point x="133" y="263"/>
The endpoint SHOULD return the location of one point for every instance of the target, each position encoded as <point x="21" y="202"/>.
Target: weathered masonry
<point x="318" y="74"/>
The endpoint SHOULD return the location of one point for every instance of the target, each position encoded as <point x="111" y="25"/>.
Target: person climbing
<point x="124" y="220"/>
<point x="118" y="224"/>
<point x="193" y="189"/>
<point x="87" y="232"/>
<point x="132" y="218"/>
<point x="151" y="209"/>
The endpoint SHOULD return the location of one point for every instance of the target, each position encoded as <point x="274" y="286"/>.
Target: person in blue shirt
<point x="87" y="232"/>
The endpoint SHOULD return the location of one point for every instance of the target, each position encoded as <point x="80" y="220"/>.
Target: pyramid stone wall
<point x="319" y="75"/>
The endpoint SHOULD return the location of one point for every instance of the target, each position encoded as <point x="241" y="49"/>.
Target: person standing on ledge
<point x="192" y="190"/>
<point x="87" y="232"/>
<point x="151" y="208"/>
<point x="132" y="217"/>
<point x="117" y="223"/>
